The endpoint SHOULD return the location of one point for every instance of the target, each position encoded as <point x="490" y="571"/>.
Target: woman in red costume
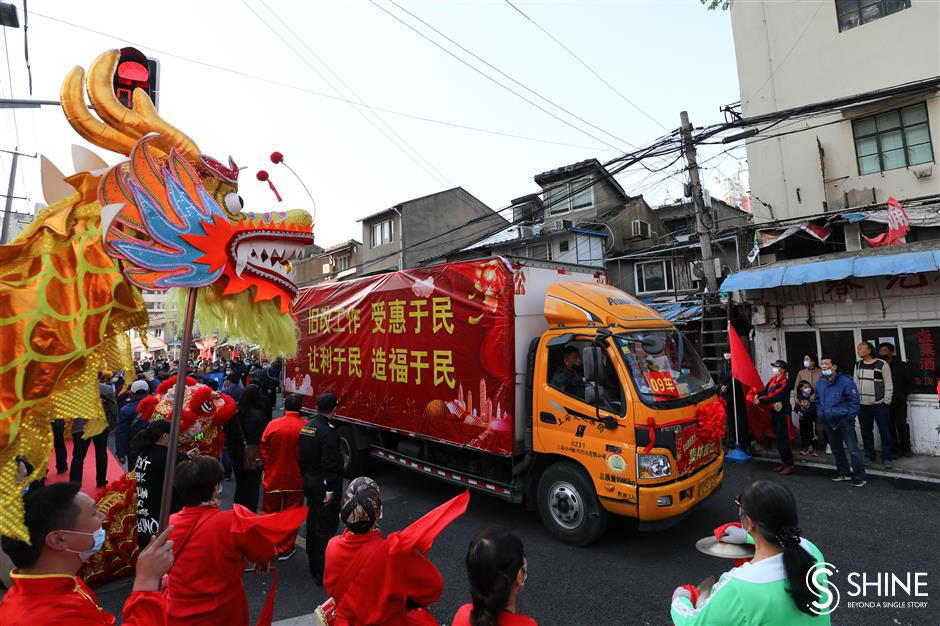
<point x="212" y="545"/>
<point x="384" y="580"/>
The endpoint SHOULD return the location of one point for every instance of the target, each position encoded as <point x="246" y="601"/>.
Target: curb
<point x="902" y="475"/>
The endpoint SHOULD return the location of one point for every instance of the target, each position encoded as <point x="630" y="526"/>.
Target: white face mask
<point x="807" y="364"/>
<point x="98" y="537"/>
<point x="727" y="356"/>
<point x="827" y="372"/>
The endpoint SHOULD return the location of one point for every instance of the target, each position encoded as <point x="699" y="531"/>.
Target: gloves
<point x="731" y="533"/>
<point x="686" y="591"/>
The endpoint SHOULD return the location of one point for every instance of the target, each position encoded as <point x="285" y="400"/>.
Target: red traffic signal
<point x="135" y="70"/>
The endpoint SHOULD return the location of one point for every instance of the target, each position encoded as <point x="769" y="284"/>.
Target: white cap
<point x="140" y="385"/>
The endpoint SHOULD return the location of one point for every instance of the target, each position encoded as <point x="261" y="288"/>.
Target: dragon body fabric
<point x="165" y="217"/>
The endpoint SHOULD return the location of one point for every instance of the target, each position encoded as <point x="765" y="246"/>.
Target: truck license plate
<point x="708" y="485"/>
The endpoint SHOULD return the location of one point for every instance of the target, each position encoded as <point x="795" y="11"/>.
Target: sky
<point x="663" y="56"/>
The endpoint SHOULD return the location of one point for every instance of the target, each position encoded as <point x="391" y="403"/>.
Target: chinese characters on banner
<point x="427" y="351"/>
<point x="921" y="346"/>
<point x="899" y="224"/>
<point x="662" y="384"/>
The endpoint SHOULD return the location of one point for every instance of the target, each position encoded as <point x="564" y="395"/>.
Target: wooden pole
<point x="166" y="498"/>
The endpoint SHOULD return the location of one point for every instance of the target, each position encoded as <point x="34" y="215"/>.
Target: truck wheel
<point x="354" y="459"/>
<point x="569" y="506"/>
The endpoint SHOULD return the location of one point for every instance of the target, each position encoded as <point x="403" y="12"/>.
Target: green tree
<point x="713" y="5"/>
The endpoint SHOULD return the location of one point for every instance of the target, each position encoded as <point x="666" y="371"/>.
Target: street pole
<point x="698" y="201"/>
<point x="8" y="208"/>
<point x="166" y="497"/>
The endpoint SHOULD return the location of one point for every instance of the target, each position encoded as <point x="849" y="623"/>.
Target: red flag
<point x="742" y="367"/>
<point x="899" y="224"/>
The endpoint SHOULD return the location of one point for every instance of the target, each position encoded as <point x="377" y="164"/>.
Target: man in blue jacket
<point x="837" y="403"/>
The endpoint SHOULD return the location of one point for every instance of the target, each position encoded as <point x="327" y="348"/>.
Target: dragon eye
<point x="234" y="202"/>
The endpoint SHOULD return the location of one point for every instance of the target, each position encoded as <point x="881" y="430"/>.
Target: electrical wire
<point x="586" y="66"/>
<point x="439" y="177"/>
<point x="319" y="94"/>
<point x="490" y="78"/>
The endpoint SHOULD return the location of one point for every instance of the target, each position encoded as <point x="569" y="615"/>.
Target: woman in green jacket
<point x="771" y="589"/>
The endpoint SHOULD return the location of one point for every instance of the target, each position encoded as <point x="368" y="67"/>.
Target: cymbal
<point x="711" y="546"/>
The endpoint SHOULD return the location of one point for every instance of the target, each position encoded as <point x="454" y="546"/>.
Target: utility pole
<point x="698" y="201"/>
<point x="8" y="209"/>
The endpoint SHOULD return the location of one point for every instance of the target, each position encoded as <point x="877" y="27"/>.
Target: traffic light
<point x="135" y="70"/>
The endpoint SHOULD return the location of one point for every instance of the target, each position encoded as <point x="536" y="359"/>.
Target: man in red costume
<point x="212" y="545"/>
<point x="384" y="580"/>
<point x="283" y="483"/>
<point x="64" y="530"/>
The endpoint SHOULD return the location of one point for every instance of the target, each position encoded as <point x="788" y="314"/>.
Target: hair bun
<point x="789" y="536"/>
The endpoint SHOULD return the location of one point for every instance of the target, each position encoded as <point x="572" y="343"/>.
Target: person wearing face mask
<point x="837" y="403"/>
<point x="384" y="580"/>
<point x="772" y="587"/>
<point x="64" y="531"/>
<point x="815" y="432"/>
<point x="497" y="568"/>
<point x="776" y="393"/>
<point x="205" y="585"/>
<point x="805" y="408"/>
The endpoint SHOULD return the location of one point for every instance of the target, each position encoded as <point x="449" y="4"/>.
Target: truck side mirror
<point x="592" y="360"/>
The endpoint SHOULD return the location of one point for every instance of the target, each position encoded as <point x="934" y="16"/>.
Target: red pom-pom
<point x="261" y="175"/>
<point x="711" y="420"/>
<point x="277" y="157"/>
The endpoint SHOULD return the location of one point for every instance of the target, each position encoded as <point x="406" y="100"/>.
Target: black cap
<point x="327" y="402"/>
<point x="780" y="363"/>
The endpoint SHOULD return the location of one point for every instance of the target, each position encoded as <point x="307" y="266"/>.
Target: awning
<point x="676" y="312"/>
<point x="835" y="269"/>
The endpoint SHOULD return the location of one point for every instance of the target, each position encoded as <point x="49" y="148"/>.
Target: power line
<point x="490" y="78"/>
<point x="586" y="66"/>
<point x="442" y="180"/>
<point x="319" y="94"/>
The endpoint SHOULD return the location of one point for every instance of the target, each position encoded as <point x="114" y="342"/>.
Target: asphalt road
<point x="628" y="577"/>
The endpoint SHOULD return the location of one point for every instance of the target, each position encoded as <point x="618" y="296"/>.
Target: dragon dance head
<point x="204" y="413"/>
<point x="174" y="218"/>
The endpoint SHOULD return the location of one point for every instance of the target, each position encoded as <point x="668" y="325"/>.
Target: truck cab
<point x="616" y="390"/>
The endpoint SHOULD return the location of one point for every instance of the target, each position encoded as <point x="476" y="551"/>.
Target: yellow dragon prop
<point x="70" y="283"/>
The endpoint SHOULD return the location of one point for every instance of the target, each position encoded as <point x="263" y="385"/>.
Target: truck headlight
<point x="654" y="465"/>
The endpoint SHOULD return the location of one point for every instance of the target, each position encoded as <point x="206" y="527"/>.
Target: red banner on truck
<point x="427" y="351"/>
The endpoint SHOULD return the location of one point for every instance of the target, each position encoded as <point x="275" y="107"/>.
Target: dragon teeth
<point x="244" y="253"/>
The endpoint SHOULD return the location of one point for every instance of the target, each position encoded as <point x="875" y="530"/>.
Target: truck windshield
<point x="666" y="370"/>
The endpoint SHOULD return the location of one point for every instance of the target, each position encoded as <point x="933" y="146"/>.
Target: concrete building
<point x="421" y="230"/>
<point x="821" y="283"/>
<point x="332" y="263"/>
<point x="791" y="54"/>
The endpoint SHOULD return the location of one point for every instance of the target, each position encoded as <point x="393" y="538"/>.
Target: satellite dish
<point x="698" y="270"/>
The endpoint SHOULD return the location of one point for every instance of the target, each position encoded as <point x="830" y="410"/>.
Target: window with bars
<point x="892" y="139"/>
<point x="852" y="13"/>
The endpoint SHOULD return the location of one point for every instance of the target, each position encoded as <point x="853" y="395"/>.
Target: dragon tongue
<point x="244" y="252"/>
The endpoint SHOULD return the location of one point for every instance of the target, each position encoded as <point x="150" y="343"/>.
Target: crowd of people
<point x="821" y="404"/>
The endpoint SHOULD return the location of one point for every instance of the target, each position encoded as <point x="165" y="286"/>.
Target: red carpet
<point x="115" y="471"/>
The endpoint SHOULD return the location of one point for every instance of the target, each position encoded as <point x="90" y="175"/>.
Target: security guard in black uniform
<point x="322" y="468"/>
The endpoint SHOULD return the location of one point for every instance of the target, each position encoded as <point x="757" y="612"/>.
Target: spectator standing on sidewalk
<point x="875" y="389"/>
<point x="805" y="408"/>
<point x="776" y="394"/>
<point x="811" y="374"/>
<point x="837" y="403"/>
<point x="902" y="379"/>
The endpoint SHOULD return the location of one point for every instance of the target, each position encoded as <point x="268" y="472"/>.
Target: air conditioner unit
<point x="641" y="229"/>
<point x="526" y="231"/>
<point x="562" y="224"/>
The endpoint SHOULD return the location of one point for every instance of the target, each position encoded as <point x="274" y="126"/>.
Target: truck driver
<point x="570" y="377"/>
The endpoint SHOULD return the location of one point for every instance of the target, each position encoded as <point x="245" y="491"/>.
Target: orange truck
<point x="532" y="381"/>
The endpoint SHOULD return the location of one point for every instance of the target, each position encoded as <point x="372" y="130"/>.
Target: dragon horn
<point x="86" y="124"/>
<point x="140" y="120"/>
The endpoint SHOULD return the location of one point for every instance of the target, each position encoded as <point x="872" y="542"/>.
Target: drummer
<point x="770" y="589"/>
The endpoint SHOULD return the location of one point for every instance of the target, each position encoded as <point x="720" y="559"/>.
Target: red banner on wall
<point x="427" y="351"/>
